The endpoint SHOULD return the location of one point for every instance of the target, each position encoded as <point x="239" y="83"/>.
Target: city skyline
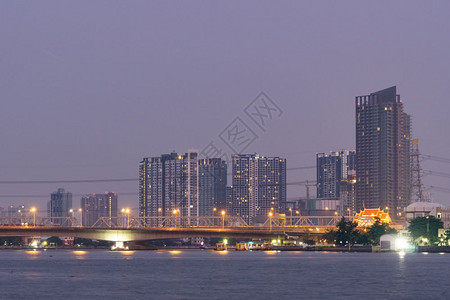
<point x="101" y="117"/>
<point x="224" y="149"/>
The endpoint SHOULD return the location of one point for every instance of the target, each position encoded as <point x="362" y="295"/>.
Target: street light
<point x="33" y="210"/>
<point x="214" y="214"/>
<point x="290" y="210"/>
<point x="127" y="211"/>
<point x="270" y="221"/>
<point x="80" y="210"/>
<point x="223" y="213"/>
<point x="175" y="213"/>
<point x="71" y="216"/>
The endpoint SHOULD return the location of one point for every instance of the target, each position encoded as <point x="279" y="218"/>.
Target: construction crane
<point x="306" y="184"/>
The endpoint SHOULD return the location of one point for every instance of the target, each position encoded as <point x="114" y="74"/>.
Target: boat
<point x="221" y="247"/>
<point x="241" y="247"/>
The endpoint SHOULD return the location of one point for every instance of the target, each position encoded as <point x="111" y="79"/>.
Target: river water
<point x="205" y="274"/>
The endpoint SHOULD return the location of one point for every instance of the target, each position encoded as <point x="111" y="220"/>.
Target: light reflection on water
<point x="80" y="254"/>
<point x="32" y="252"/>
<point x="200" y="274"/>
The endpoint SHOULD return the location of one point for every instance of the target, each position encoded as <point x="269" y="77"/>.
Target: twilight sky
<point x="88" y="88"/>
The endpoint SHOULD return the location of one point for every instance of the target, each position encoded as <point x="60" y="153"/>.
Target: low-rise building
<point x="422" y="209"/>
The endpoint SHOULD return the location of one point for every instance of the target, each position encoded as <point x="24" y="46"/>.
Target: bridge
<point x="128" y="229"/>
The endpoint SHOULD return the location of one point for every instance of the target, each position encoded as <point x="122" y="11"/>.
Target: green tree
<point x="11" y="241"/>
<point x="446" y="237"/>
<point x="377" y="230"/>
<point x="345" y="233"/>
<point x="54" y="239"/>
<point x="425" y="227"/>
<point x="362" y="238"/>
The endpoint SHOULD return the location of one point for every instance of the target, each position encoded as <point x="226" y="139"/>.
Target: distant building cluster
<point x="376" y="175"/>
<point x="92" y="207"/>
<point x="14" y="211"/>
<point x="173" y="184"/>
<point x="96" y="206"/>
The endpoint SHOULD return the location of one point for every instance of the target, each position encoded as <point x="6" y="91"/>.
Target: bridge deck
<point x="151" y="233"/>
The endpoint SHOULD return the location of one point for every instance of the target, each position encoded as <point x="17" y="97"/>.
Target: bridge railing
<point x="304" y="221"/>
<point x="165" y="222"/>
<point x="30" y="220"/>
<point x="175" y="222"/>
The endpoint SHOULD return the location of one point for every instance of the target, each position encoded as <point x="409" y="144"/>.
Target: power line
<point x="73" y="195"/>
<point x="68" y="181"/>
<point x="103" y="180"/>
<point x="435" y="173"/>
<point x="435" y="158"/>
<point x="300" y="168"/>
<point x="301" y="183"/>
<point x="438" y="188"/>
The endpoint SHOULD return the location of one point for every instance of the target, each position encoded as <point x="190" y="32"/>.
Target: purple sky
<point x="88" y="88"/>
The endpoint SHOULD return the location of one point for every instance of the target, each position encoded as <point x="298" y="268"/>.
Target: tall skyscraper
<point x="212" y="184"/>
<point x="259" y="185"/>
<point x="382" y="152"/>
<point x="331" y="169"/>
<point x="96" y="206"/>
<point x="59" y="205"/>
<point x="169" y="183"/>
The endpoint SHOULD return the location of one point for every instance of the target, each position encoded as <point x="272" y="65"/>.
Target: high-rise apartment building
<point x="96" y="206"/>
<point x="347" y="195"/>
<point x="212" y="182"/>
<point x="259" y="185"/>
<point x="59" y="205"/>
<point x="331" y="169"/>
<point x="229" y="199"/>
<point x="168" y="184"/>
<point x="382" y="152"/>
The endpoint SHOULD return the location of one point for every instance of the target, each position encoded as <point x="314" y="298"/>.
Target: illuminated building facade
<point x="347" y="195"/>
<point x="382" y="152"/>
<point x="168" y="185"/>
<point x="96" y="206"/>
<point x="212" y="183"/>
<point x="60" y="205"/>
<point x="259" y="185"/>
<point x="229" y="199"/>
<point x="331" y="169"/>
